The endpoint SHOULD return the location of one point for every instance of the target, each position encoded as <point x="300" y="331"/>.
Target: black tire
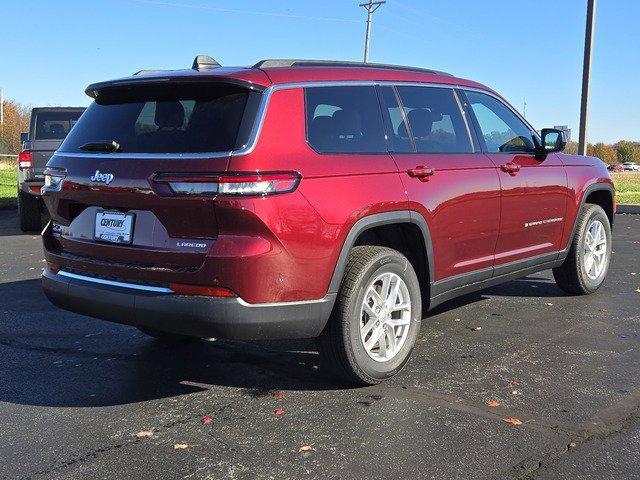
<point x="572" y="276"/>
<point x="29" y="212"/>
<point x="340" y="345"/>
<point x="167" y="337"/>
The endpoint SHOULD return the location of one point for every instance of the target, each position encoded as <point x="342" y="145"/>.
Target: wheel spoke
<point x="373" y="339"/>
<point x="399" y="322"/>
<point x="384" y="291"/>
<point x="383" y="344"/>
<point x="395" y="293"/>
<point x="390" y="335"/>
<point x="401" y="307"/>
<point x="369" y="311"/>
<point x="364" y="331"/>
<point x="375" y="296"/>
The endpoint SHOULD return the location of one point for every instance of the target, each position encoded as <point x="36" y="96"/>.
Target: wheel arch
<point x="602" y="194"/>
<point x="374" y="223"/>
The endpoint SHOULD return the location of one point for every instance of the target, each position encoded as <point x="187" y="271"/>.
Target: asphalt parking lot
<point x="75" y="391"/>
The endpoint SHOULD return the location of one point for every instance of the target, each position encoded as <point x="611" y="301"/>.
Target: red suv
<point x="299" y="199"/>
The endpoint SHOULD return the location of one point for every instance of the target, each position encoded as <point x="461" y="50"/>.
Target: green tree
<point x="606" y="153"/>
<point x="628" y="152"/>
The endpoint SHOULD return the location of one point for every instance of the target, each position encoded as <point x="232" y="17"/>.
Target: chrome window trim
<point x="113" y="283"/>
<point x="262" y="111"/>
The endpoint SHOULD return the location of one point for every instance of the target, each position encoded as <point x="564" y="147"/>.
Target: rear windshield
<point x="168" y="119"/>
<point x="54" y="125"/>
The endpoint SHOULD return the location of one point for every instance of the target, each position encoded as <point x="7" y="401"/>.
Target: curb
<point x="632" y="209"/>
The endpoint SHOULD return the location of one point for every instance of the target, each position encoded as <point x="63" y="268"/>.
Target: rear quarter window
<point x="200" y="118"/>
<point x="344" y="120"/>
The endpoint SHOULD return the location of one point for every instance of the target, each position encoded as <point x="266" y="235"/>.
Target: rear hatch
<point x="110" y="216"/>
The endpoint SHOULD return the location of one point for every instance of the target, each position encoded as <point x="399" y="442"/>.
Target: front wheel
<point x="587" y="263"/>
<point x="376" y="319"/>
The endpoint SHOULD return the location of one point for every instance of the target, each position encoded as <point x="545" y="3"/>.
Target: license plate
<point x="113" y="227"/>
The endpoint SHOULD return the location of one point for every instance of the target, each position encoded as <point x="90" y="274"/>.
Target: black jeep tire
<point x="29" y="212"/>
<point x="341" y="346"/>
<point x="572" y="276"/>
<point x="167" y="337"/>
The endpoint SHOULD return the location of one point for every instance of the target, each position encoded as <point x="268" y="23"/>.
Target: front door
<point x="448" y="181"/>
<point x="534" y="193"/>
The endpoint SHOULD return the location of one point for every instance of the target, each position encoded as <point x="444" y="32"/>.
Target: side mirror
<point x="24" y="137"/>
<point x="553" y="140"/>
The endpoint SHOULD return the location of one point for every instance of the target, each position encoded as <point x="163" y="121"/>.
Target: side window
<point x="344" y="120"/>
<point x="435" y="120"/>
<point x="501" y="129"/>
<point x="397" y="131"/>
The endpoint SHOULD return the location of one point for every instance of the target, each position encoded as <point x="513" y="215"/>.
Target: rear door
<point x="448" y="181"/>
<point x="533" y="199"/>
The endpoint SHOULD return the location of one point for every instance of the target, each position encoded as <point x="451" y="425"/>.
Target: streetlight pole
<point x="371" y="7"/>
<point x="586" y="74"/>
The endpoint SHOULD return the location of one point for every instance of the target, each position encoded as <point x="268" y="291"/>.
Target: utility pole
<point x="371" y="7"/>
<point x="586" y="74"/>
<point x="1" y="115"/>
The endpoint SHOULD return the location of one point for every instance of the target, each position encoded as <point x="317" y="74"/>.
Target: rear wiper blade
<point x="111" y="146"/>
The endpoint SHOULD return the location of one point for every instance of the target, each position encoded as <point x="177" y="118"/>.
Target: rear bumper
<point x="185" y="314"/>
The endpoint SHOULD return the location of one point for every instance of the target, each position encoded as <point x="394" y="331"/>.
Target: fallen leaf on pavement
<point x="572" y="445"/>
<point x="603" y="310"/>
<point x="279" y="411"/>
<point x="206" y="420"/>
<point x="278" y="395"/>
<point x="492" y="403"/>
<point x="512" y="421"/>
<point x="180" y="446"/>
<point x="512" y="383"/>
<point x="456" y="319"/>
<point x="307" y="448"/>
<point x="475" y="329"/>
<point x="638" y="290"/>
<point x="515" y="392"/>
<point x="144" y="434"/>
<point x="549" y="304"/>
<point x="633" y="273"/>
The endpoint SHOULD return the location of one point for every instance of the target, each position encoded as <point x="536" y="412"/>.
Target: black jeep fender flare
<point x="376" y="220"/>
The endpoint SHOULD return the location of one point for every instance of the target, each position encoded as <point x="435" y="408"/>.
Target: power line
<point x="370" y="7"/>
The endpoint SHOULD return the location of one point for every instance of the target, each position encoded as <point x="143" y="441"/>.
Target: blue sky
<point x="525" y="49"/>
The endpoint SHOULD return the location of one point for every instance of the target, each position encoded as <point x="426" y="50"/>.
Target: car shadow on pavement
<point x="9" y="223"/>
<point x="50" y="357"/>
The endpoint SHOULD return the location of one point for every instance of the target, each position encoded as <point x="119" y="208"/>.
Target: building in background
<point x="566" y="130"/>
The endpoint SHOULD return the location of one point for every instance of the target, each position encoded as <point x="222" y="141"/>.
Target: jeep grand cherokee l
<point x="300" y="199"/>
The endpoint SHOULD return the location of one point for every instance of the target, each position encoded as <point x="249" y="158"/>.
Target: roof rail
<point x="273" y="63"/>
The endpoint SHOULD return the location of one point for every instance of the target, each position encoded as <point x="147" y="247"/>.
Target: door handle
<point x="421" y="172"/>
<point x="510" y="168"/>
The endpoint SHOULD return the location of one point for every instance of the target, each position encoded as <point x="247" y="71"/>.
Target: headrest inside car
<point x="347" y="123"/>
<point x="169" y="114"/>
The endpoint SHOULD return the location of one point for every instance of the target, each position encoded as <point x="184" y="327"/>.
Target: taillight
<point x="267" y="183"/>
<point x="24" y="160"/>
<point x="53" y="178"/>
<point x="183" y="289"/>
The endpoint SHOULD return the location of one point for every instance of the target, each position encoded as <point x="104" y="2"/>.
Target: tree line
<point x="620" y="152"/>
<point x="16" y="120"/>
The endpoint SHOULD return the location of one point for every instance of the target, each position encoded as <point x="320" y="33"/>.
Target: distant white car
<point x="631" y="167"/>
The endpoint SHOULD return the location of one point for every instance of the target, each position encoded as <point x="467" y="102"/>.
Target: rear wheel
<point x="376" y="320"/>
<point x="587" y="263"/>
<point x="166" y="337"/>
<point x="29" y="212"/>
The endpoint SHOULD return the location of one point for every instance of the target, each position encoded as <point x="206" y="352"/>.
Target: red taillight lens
<point x="24" y="160"/>
<point x="267" y="183"/>
<point x="205" y="291"/>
